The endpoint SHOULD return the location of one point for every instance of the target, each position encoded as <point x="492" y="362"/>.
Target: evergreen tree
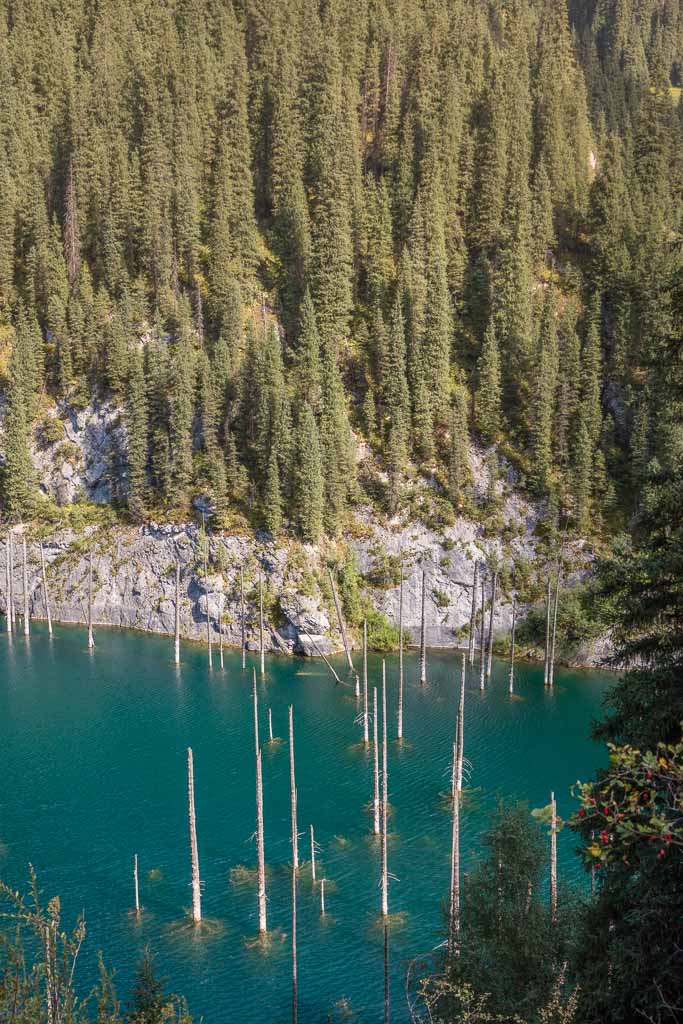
<point x="544" y="399"/>
<point x="308" y="478"/>
<point x="488" y="396"/>
<point x="459" y="472"/>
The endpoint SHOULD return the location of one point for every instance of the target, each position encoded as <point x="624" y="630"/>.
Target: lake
<point x="93" y="760"/>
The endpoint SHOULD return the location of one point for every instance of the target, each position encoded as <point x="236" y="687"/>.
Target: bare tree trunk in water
<point x="220" y="633"/>
<point x="399" y="721"/>
<point x="91" y="639"/>
<point x="461" y="725"/>
<point x="494" y="588"/>
<point x="270" y="724"/>
<point x="551" y="667"/>
<point x="292" y="791"/>
<point x="546" y="662"/>
<point x="322" y="897"/>
<point x="176" y="636"/>
<point x="553" y="859"/>
<point x="386" y="972"/>
<point x="312" y="855"/>
<point x="262" y="656"/>
<point x="366" y="734"/>
<point x="13" y="610"/>
<point x="244" y="638"/>
<point x="206" y="591"/>
<point x="260" y="852"/>
<point x="423" y="639"/>
<point x="482" y="639"/>
<point x="512" y="643"/>
<point x="194" y="854"/>
<point x="137" y="888"/>
<point x="454" y="900"/>
<point x="375" y="758"/>
<point x="340" y="619"/>
<point x="295" y="980"/>
<point x="8" y="590"/>
<point x="473" y="614"/>
<point x="27" y="620"/>
<point x="385" y="871"/>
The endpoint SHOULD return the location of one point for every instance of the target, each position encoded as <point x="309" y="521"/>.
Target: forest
<point x="314" y="254"/>
<point x="273" y="237"/>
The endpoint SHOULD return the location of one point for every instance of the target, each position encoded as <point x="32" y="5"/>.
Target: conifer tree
<point x="488" y="397"/>
<point x="544" y="396"/>
<point x="308" y="478"/>
<point x="459" y="472"/>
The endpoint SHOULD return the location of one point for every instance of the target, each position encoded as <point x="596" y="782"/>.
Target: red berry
<point x="603" y="836"/>
<point x="668" y="837"/>
<point x="581" y="813"/>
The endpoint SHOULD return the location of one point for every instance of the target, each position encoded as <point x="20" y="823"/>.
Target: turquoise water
<point x="93" y="762"/>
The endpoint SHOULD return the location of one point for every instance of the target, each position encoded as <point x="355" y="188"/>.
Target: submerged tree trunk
<point x="494" y="588"/>
<point x="270" y="724"/>
<point x="206" y="591"/>
<point x="386" y="973"/>
<point x="91" y="639"/>
<point x="27" y="620"/>
<point x="553" y="859"/>
<point x="473" y="615"/>
<point x="454" y="900"/>
<point x="12" y="607"/>
<point x="312" y="855"/>
<point x="260" y="851"/>
<point x="176" y="636"/>
<point x="137" y="888"/>
<point x="546" y="662"/>
<point x="292" y="791"/>
<point x="399" y="720"/>
<point x="8" y="589"/>
<point x="322" y="897"/>
<point x="366" y="734"/>
<point x="423" y="639"/>
<point x="375" y="758"/>
<point x="512" y="644"/>
<point x="262" y="657"/>
<point x="340" y="619"/>
<point x="194" y="853"/>
<point x="385" y="870"/>
<point x="243" y="622"/>
<point x="551" y="666"/>
<point x="482" y="639"/>
<point x="295" y="979"/>
<point x="461" y="725"/>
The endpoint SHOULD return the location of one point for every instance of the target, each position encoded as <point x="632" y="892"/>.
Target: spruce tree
<point x="488" y="395"/>
<point x="308" y="478"/>
<point x="544" y="397"/>
<point x="459" y="472"/>
<point x="137" y="437"/>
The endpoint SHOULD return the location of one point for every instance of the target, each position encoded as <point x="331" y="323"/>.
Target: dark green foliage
<point x="394" y="188"/>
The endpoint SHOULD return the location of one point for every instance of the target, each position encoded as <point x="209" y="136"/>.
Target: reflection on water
<point x="93" y="755"/>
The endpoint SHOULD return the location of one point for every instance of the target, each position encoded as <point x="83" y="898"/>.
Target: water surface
<point x="93" y="763"/>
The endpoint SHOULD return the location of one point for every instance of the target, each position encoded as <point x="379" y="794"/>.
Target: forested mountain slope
<point x="277" y="234"/>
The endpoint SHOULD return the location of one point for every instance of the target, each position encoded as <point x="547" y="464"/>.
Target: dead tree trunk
<point x="206" y="591"/>
<point x="312" y="855"/>
<point x="292" y="791"/>
<point x="243" y="623"/>
<point x="176" y="637"/>
<point x="220" y="633"/>
<point x="553" y="859"/>
<point x="423" y="639"/>
<point x="512" y="643"/>
<point x="494" y="588"/>
<point x="461" y="725"/>
<point x="8" y="590"/>
<point x="322" y="897"/>
<point x="399" y="720"/>
<point x="473" y="614"/>
<point x="194" y="853"/>
<point x="454" y="900"/>
<point x="366" y="734"/>
<point x="270" y="724"/>
<point x="375" y="752"/>
<point x="12" y="607"/>
<point x="295" y="980"/>
<point x="386" y="973"/>
<point x="262" y="656"/>
<point x="137" y="888"/>
<point x="27" y="620"/>
<point x="340" y="619"/>
<point x="385" y="787"/>
<point x="260" y="852"/>
<point x="546" y="663"/>
<point x="551" y="667"/>
<point x="482" y="639"/>
<point x="91" y="639"/>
